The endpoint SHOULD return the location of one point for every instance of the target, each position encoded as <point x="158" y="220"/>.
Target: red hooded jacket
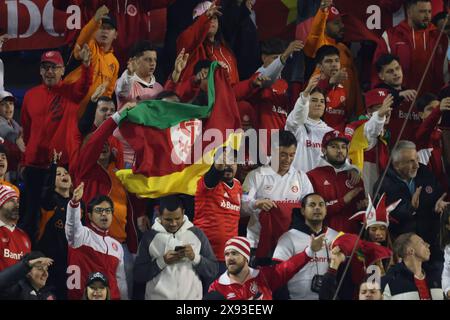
<point x="193" y="40"/>
<point x="414" y="48"/>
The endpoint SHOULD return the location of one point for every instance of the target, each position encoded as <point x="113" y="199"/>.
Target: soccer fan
<point x="414" y="40"/>
<point x="305" y="121"/>
<point x="96" y="166"/>
<point x="204" y="40"/>
<point x="421" y="194"/>
<point x="304" y="285"/>
<point x="338" y="183"/>
<point x="369" y="137"/>
<point x="412" y="278"/>
<point x="18" y="243"/>
<point x="48" y="116"/>
<point x="241" y="282"/>
<point x="91" y="248"/>
<point x="52" y="237"/>
<point x="327" y="29"/>
<point x="391" y="75"/>
<point x="10" y="130"/>
<point x="429" y="137"/>
<point x="98" y="34"/>
<point x="218" y="203"/>
<point x="27" y="279"/>
<point x="4" y="169"/>
<point x="272" y="191"/>
<point x="174" y="256"/>
<point x="138" y="81"/>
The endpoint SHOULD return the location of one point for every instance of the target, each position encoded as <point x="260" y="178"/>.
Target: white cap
<point x="201" y="8"/>
<point x="6" y="94"/>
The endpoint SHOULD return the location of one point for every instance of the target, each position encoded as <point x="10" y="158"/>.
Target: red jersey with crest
<point x="261" y="282"/>
<point x="14" y="244"/>
<point x="336" y="108"/>
<point x="217" y="212"/>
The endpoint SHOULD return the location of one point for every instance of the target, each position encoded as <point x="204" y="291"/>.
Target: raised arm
<point x="76" y="233"/>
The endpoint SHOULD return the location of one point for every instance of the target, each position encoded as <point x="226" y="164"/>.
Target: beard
<point x="12" y="214"/>
<point x="235" y="271"/>
<point x="335" y="162"/>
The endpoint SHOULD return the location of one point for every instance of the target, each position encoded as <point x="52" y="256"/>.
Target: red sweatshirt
<point x="194" y="41"/>
<point x="49" y="118"/>
<point x="261" y="282"/>
<point x="333" y="186"/>
<point x="97" y="180"/>
<point x="414" y="49"/>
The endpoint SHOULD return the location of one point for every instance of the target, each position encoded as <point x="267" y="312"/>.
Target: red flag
<point x="273" y="224"/>
<point x="275" y="19"/>
<point x="366" y="253"/>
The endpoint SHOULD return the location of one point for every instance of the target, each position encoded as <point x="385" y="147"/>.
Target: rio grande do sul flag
<point x="175" y="142"/>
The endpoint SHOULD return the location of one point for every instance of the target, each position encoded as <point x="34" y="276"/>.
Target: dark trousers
<point x="30" y="204"/>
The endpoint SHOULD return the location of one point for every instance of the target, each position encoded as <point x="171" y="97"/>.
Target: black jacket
<point x="398" y="283"/>
<point x="53" y="241"/>
<point x="15" y="286"/>
<point x="423" y="221"/>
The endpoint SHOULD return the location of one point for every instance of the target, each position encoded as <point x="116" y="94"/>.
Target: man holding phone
<point x="174" y="258"/>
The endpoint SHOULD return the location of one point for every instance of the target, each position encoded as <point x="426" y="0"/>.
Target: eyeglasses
<point x="101" y="210"/>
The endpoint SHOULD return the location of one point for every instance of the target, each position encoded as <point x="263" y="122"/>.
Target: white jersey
<point x="309" y="134"/>
<point x="293" y="242"/>
<point x="265" y="183"/>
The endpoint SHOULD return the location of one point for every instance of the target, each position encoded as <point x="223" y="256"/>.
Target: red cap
<point x="53" y="57"/>
<point x="333" y="135"/>
<point x="375" y="96"/>
<point x="333" y="13"/>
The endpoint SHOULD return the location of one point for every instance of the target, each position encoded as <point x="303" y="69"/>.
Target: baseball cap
<point x="201" y="8"/>
<point x="97" y="276"/>
<point x="333" y="13"/>
<point x="5" y="95"/>
<point x="333" y="135"/>
<point x="52" y="57"/>
<point x="109" y="20"/>
<point x="375" y="96"/>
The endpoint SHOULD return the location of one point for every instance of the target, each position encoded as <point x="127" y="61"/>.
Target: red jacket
<point x="333" y="186"/>
<point x="193" y="40"/>
<point x="428" y="136"/>
<point x="401" y="41"/>
<point x="49" y="118"/>
<point x="97" y="180"/>
<point x="261" y="282"/>
<point x="92" y="250"/>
